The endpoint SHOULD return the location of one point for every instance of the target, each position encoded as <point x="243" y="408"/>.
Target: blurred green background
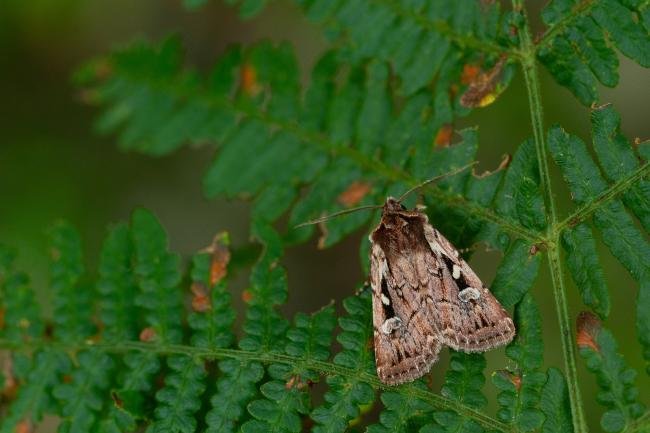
<point x="53" y="165"/>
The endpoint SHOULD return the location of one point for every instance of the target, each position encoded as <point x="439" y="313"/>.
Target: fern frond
<point x="463" y="382"/>
<point x="422" y="42"/>
<point x="71" y="299"/>
<point x="245" y="102"/>
<point x="117" y="286"/>
<point x="555" y="404"/>
<point x="619" y="232"/>
<point x="346" y="396"/>
<point x="584" y="266"/>
<point x="521" y="387"/>
<point x="516" y="274"/>
<point x="615" y="379"/>
<point x="577" y="46"/>
<point x="264" y="329"/>
<point x="158" y="276"/>
<point x="287" y="394"/>
<point x="617" y="158"/>
<point x="83" y="396"/>
<point x="35" y="394"/>
<point x="586" y="183"/>
<point x="212" y="317"/>
<point x="180" y="398"/>
<point x="402" y="414"/>
<point x="236" y="386"/>
<point x="21" y="315"/>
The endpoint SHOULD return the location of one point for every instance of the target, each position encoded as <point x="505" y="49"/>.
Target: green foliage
<point x="82" y="397"/>
<point x="463" y="383"/>
<point x="117" y="286"/>
<point x="374" y="119"/>
<point x="583" y="263"/>
<point x="179" y="399"/>
<point x="615" y="379"/>
<point x="555" y="404"/>
<point x="521" y="387"/>
<point x="347" y="395"/>
<point x="286" y="396"/>
<point x="71" y="299"/>
<point x="21" y="314"/>
<point x="578" y="52"/>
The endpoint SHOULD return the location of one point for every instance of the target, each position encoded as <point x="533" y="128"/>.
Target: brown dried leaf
<point x="248" y="80"/>
<point x="220" y="257"/>
<point x="588" y="326"/>
<point x="247" y="296"/>
<point x="480" y="92"/>
<point x="443" y="137"/>
<point x="354" y="193"/>
<point x="515" y="379"/>
<point x="24" y="426"/>
<point x="147" y="334"/>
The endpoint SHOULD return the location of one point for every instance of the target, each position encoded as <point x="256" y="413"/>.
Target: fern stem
<point x="531" y="76"/>
<point x="584" y="211"/>
<point x="326" y="368"/>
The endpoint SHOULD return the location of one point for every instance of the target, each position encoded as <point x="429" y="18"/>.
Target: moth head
<point x="393" y="205"/>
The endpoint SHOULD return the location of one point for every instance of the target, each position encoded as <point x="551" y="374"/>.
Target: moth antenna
<point x="335" y="214"/>
<point x="434" y="179"/>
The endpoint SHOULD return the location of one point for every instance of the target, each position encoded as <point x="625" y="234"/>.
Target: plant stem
<point x="531" y="76"/>
<point x="323" y="367"/>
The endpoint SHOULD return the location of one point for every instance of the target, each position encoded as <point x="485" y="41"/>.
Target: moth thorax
<point x="391" y="325"/>
<point x="469" y="293"/>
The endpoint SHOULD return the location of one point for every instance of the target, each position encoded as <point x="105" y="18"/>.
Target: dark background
<point x="53" y="165"/>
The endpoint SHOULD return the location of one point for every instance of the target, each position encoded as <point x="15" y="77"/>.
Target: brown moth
<point x="425" y="296"/>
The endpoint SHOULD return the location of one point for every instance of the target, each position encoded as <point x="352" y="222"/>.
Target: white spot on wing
<point x="385" y="300"/>
<point x="469" y="293"/>
<point x="390" y="325"/>
<point x="456" y="272"/>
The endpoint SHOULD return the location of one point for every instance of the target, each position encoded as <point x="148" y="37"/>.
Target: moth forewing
<point x="425" y="296"/>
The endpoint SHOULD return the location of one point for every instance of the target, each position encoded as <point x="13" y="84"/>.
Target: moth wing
<point x="466" y="315"/>
<point x="404" y="338"/>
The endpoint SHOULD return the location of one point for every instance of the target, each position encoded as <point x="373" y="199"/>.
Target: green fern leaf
<point x="71" y="300"/>
<point x="264" y="329"/>
<point x="463" y="383"/>
<point x="82" y="398"/>
<point x="521" y="388"/>
<point x="584" y="266"/>
<point x="420" y="41"/>
<point x="21" y="315"/>
<point x="347" y="395"/>
<point x="615" y="379"/>
<point x="158" y="275"/>
<point x="576" y="47"/>
<point x="235" y="388"/>
<point x="35" y="395"/>
<point x="117" y="286"/>
<point x="583" y="176"/>
<point x="555" y="404"/>
<point x="402" y="413"/>
<point x="211" y="325"/>
<point x="180" y="398"/>
<point x="617" y="158"/>
<point x="643" y="322"/>
<point x="516" y="273"/>
<point x="286" y="395"/>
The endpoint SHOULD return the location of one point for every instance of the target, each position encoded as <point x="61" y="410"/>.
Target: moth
<point x="425" y="296"/>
